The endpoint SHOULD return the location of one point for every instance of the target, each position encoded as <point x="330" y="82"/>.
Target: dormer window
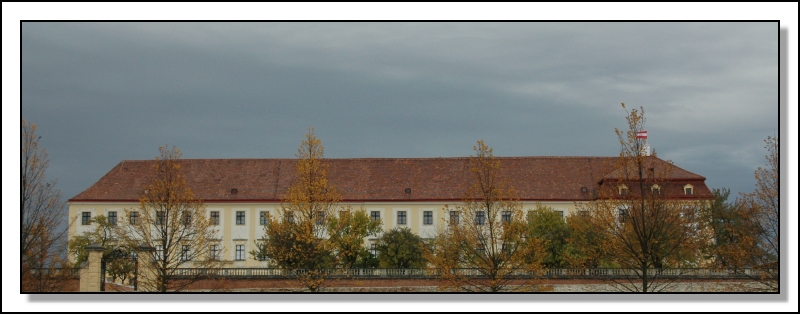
<point x="688" y="189"/>
<point x="623" y="190"/>
<point x="655" y="189"/>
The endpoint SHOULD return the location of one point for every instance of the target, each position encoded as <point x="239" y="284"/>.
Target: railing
<point x="412" y="273"/>
<point x="67" y="272"/>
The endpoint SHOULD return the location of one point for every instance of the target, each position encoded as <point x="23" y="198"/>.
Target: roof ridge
<point x="381" y="158"/>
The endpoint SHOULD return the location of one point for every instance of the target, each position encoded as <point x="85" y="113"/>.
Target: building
<point x="403" y="192"/>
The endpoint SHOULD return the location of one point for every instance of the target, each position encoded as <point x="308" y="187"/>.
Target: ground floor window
<point x="240" y="252"/>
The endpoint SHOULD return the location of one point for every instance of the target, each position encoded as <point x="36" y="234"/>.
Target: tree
<point x="116" y="260"/>
<point x="731" y="230"/>
<point x="488" y="235"/>
<point x="41" y="211"/>
<point x="401" y="248"/>
<point x="550" y="228"/>
<point x="646" y="227"/>
<point x="762" y="209"/>
<point x="298" y="242"/>
<point x="347" y="233"/>
<point x="173" y="221"/>
<point x="586" y="246"/>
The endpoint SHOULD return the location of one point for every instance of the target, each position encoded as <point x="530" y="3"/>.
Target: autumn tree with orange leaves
<point x="484" y="247"/>
<point x="173" y="221"/>
<point x="298" y="240"/>
<point x="644" y="225"/>
<point x="42" y="236"/>
<point x="747" y="232"/>
<point x="763" y="207"/>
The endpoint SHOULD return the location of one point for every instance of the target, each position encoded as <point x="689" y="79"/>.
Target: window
<point x="86" y="218"/>
<point x="584" y="213"/>
<point x="373" y="249"/>
<point x="159" y="217"/>
<point x="159" y="252"/>
<point x="623" y="214"/>
<point x="655" y="189"/>
<point x="289" y="217"/>
<point x="112" y="218"/>
<point x="505" y="248"/>
<point x="560" y="213"/>
<point x="506" y="216"/>
<point x="187" y="218"/>
<point x="215" y="218"/>
<point x="453" y="218"/>
<point x="376" y="215"/>
<point x="480" y="218"/>
<point x="240" y="218"/>
<point x="263" y="218"/>
<point x="623" y="190"/>
<point x="213" y="252"/>
<point x="688" y="189"/>
<point x="427" y="217"/>
<point x="185" y="253"/>
<point x="687" y="212"/>
<point x="240" y="252"/>
<point x="133" y="217"/>
<point x="320" y="218"/>
<point x="401" y="217"/>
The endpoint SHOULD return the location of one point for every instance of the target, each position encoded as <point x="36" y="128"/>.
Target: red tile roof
<point x="372" y="179"/>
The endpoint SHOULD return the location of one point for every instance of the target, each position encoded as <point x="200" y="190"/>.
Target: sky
<point x="103" y="92"/>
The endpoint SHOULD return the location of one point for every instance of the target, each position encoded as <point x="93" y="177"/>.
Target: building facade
<point x="239" y="194"/>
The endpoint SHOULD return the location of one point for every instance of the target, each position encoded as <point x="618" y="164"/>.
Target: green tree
<point x="550" y="228"/>
<point x="728" y="224"/>
<point x="116" y="259"/>
<point x="401" y="248"/>
<point x="586" y="245"/>
<point x="347" y="232"/>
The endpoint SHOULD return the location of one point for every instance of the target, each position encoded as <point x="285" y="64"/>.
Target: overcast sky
<point x="106" y="92"/>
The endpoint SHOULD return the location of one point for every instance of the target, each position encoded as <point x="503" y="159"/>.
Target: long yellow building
<point x="403" y="192"/>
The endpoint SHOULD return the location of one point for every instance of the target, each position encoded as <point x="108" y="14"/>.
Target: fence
<point x="54" y="272"/>
<point x="559" y="273"/>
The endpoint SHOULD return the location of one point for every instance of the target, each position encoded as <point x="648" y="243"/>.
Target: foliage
<point x="586" y="245"/>
<point x="401" y="248"/>
<point x="762" y="207"/>
<point x="298" y="241"/>
<point x="116" y="258"/>
<point x="47" y="270"/>
<point x="41" y="211"/>
<point x="346" y="234"/>
<point x="731" y="231"/>
<point x="550" y="228"/>
<point x="173" y="221"/>
<point x="489" y="235"/>
<point x="646" y="228"/>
